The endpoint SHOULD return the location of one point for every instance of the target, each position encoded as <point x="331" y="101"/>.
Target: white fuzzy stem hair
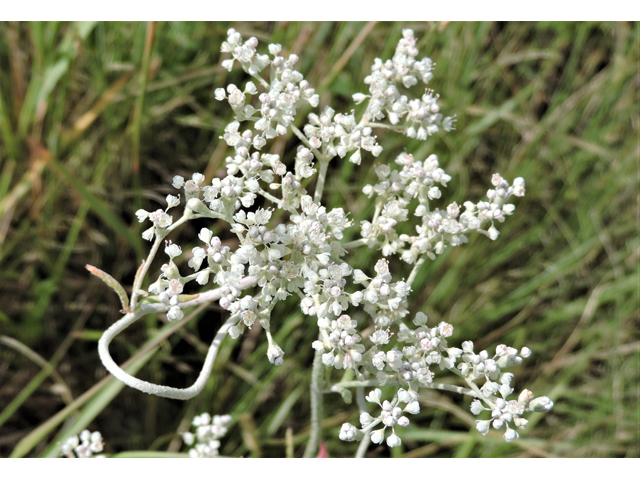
<point x="162" y="390"/>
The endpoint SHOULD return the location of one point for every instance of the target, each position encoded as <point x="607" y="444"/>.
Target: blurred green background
<point x="96" y="118"/>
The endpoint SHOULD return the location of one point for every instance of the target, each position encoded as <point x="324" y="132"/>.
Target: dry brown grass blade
<point x="94" y="112"/>
<point x="39" y="156"/>
<point x="349" y="52"/>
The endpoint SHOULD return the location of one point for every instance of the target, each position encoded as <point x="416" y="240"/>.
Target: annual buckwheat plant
<point x="364" y="326"/>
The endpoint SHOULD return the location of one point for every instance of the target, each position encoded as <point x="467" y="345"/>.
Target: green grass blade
<point x="99" y="207"/>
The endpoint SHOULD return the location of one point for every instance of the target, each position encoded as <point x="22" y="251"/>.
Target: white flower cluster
<point x="339" y="134"/>
<point x="438" y="229"/>
<point x="392" y="415"/>
<point x="303" y="254"/>
<point x="418" y="117"/>
<point x="208" y="432"/>
<point x="85" y="446"/>
<point x="503" y="412"/>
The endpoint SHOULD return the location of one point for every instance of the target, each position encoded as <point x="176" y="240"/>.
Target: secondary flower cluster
<point x="208" y="432"/>
<point x="87" y="445"/>
<point x="392" y="415"/>
<point x="303" y="252"/>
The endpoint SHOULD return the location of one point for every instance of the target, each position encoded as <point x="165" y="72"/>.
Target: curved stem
<point x="161" y="390"/>
<point x="316" y="406"/>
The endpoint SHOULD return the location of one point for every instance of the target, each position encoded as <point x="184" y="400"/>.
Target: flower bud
<point x="541" y="404"/>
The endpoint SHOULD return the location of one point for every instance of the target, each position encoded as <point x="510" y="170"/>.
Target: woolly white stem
<point x="316" y="407"/>
<point x="161" y="390"/>
<point x="436" y="386"/>
<point x="366" y="440"/>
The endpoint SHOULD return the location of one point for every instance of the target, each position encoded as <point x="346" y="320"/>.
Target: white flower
<point x="142" y="215"/>
<point x="413" y="407"/>
<point x="374" y="396"/>
<point x="172" y="250"/>
<point x="172" y="201"/>
<point x="477" y="407"/>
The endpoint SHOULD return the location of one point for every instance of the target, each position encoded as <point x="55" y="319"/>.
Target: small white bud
<point x="377" y="436"/>
<point x="359" y="98"/>
<point x="483" y="426"/>
<point x="413" y="408"/>
<point x="511" y="435"/>
<point x="178" y="182"/>
<point x="393" y="440"/>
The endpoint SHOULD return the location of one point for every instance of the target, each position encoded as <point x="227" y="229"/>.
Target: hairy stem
<point x="416" y="267"/>
<point x="322" y="175"/>
<point x="366" y="440"/>
<point x="161" y="390"/>
<point x="355" y="243"/>
<point x="137" y="284"/>
<point x="301" y="136"/>
<point x="436" y="386"/>
<point x="316" y="406"/>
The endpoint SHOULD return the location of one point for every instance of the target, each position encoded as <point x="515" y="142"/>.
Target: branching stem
<point x="161" y="390"/>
